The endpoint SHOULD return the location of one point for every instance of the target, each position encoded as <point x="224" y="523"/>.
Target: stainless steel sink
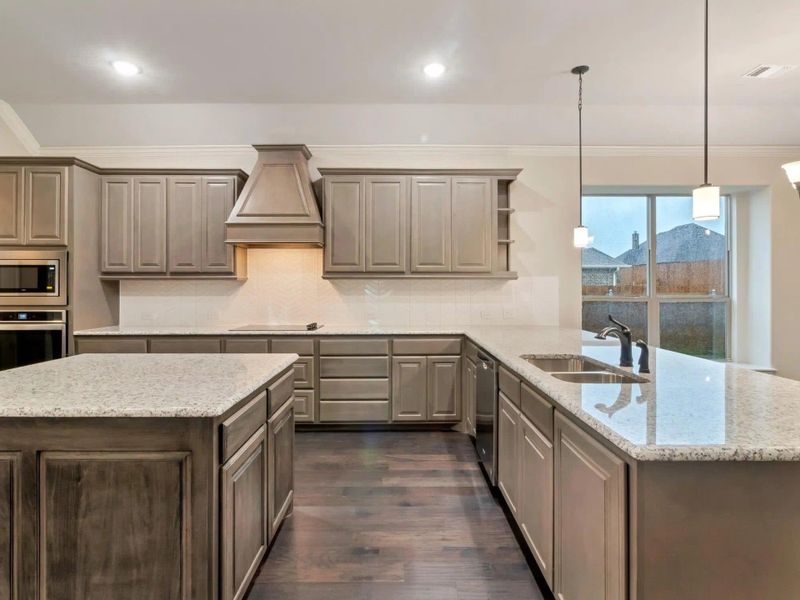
<point x="570" y="364"/>
<point x="597" y="377"/>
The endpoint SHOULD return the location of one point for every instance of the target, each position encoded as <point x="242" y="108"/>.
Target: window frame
<point x="652" y="298"/>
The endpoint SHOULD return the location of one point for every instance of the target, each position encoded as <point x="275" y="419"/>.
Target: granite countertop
<point x="690" y="409"/>
<point x="136" y="385"/>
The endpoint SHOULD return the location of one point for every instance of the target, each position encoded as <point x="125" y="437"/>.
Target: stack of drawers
<point x="304" y="375"/>
<point x="354" y="380"/>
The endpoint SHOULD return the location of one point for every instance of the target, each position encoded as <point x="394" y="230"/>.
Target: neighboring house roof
<point x="592" y="258"/>
<point x="685" y="243"/>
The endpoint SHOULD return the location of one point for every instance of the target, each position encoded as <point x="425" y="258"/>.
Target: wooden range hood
<point x="277" y="207"/>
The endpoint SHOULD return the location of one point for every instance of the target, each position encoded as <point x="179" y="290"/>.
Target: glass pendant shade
<point x="705" y="203"/>
<point x="793" y="172"/>
<point x="580" y="237"/>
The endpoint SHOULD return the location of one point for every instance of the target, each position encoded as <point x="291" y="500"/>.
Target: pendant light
<point x="705" y="199"/>
<point x="793" y="173"/>
<point x="580" y="235"/>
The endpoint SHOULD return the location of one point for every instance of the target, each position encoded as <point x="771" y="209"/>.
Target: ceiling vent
<point x="768" y="71"/>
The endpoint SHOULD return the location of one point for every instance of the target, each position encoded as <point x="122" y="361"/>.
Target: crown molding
<point x="12" y="120"/>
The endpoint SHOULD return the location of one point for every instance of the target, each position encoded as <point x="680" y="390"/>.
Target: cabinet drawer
<point x="354" y="366"/>
<point x="301" y="346"/>
<point x="471" y="351"/>
<point x="353" y="347"/>
<point x="354" y="389"/>
<point x="538" y="409"/>
<point x="424" y="346"/>
<point x="304" y="406"/>
<point x="304" y="372"/>
<point x="359" y="411"/>
<point x="509" y="384"/>
<point x="103" y="345"/>
<point x="184" y="345"/>
<point x="280" y="391"/>
<point x="238" y="428"/>
<point x="247" y="345"/>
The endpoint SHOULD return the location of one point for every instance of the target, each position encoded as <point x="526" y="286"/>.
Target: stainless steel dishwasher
<point x="486" y="415"/>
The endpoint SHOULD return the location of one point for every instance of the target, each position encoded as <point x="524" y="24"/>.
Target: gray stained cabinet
<point x="33" y="206"/>
<point x="431" y="213"/>
<point x="468" y="391"/>
<point x="9" y="523"/>
<point x="508" y="428"/>
<point x="244" y="534"/>
<point x="155" y="225"/>
<point x="426" y="388"/>
<point x="280" y="467"/>
<point x="416" y="223"/>
<point x="590" y="532"/>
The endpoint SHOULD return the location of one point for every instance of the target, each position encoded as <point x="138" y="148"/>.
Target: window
<point x="654" y="268"/>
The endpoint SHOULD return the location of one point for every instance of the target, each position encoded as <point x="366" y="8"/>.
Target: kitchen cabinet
<point x="185" y="221"/>
<point x="590" y="532"/>
<point x="444" y="388"/>
<point x="304" y="406"/>
<point x="431" y="208"/>
<point x="9" y="521"/>
<point x="12" y="221"/>
<point x="472" y="224"/>
<point x="469" y="388"/>
<point x="185" y="345"/>
<point x="417" y="223"/>
<point x="344" y="224"/>
<point x="535" y="500"/>
<point x="508" y="428"/>
<point x="244" y="534"/>
<point x="150" y="224"/>
<point x="45" y="194"/>
<point x="280" y="469"/>
<point x="157" y="225"/>
<point x="386" y="222"/>
<point x="409" y="388"/>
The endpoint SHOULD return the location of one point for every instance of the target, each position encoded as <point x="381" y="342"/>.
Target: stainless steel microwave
<point x="33" y="277"/>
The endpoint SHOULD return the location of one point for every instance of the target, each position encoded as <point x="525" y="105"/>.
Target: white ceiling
<point x="643" y="53"/>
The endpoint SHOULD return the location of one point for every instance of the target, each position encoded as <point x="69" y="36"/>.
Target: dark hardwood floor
<point x="392" y="516"/>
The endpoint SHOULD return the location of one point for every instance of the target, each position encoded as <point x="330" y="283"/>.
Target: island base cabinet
<point x="281" y="466"/>
<point x="590" y="531"/>
<point x="508" y="428"/>
<point x="244" y="534"/>
<point x="9" y="523"/>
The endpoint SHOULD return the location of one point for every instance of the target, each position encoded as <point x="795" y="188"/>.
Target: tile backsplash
<point x="286" y="285"/>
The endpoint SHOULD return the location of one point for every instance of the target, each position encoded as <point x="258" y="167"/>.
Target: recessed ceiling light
<point x="123" y="67"/>
<point x="434" y="70"/>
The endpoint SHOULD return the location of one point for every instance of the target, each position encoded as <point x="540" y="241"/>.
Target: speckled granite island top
<point x="691" y="409"/>
<point x="136" y="385"/>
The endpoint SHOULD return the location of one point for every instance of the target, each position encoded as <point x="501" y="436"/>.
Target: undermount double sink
<point x="580" y="369"/>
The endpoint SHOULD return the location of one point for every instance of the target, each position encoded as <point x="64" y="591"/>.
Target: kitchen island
<point x="682" y="485"/>
<point x="142" y="476"/>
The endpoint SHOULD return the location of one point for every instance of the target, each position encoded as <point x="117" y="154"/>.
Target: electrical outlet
<point x="485" y="315"/>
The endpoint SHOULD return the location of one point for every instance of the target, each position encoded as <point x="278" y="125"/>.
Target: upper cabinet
<point x="417" y="223"/>
<point x="33" y="206"/>
<point x="168" y="225"/>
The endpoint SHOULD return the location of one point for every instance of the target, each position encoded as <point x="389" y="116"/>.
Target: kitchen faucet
<point x="623" y="333"/>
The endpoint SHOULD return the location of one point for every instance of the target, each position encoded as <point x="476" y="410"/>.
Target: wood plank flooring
<point x="392" y="516"/>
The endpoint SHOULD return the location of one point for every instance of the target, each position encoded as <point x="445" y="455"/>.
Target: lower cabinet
<point x="469" y="388"/>
<point x="280" y="468"/>
<point x="590" y="517"/>
<point x="508" y="468"/>
<point x="245" y="522"/>
<point x="304" y="406"/>
<point x="426" y="388"/>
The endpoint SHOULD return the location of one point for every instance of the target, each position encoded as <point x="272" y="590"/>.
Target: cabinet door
<point x="409" y="388"/>
<point x="344" y="224"/>
<point x="11" y="207"/>
<point x="46" y="206"/>
<point x="430" y="224"/>
<point x="9" y="523"/>
<point x="589" y="517"/>
<point x="508" y="452"/>
<point x="218" y="196"/>
<point x="304" y="406"/>
<point x="472" y="224"/>
<point x="474" y="400"/>
<point x="468" y="393"/>
<point x="444" y="388"/>
<point x="184" y="218"/>
<point x="149" y="224"/>
<point x="535" y="515"/>
<point x="386" y="210"/>
<point x="281" y="466"/>
<point x="245" y="524"/>
<point x="116" y="222"/>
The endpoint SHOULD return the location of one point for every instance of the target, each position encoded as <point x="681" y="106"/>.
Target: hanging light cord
<point x="580" y="144"/>
<point x="705" y="107"/>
